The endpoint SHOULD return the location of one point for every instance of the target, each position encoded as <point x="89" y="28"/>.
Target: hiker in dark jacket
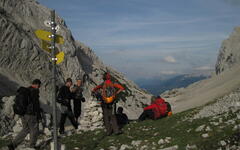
<point x="122" y="118"/>
<point x="30" y="119"/>
<point x="109" y="119"/>
<point x="78" y="98"/>
<point x="64" y="98"/>
<point x="158" y="109"/>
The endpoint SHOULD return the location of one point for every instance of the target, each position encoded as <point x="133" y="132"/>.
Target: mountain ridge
<point x="157" y="86"/>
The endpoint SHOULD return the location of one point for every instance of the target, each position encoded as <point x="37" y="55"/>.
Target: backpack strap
<point x="107" y="84"/>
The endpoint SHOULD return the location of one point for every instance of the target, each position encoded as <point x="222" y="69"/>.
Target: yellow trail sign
<point x="46" y="46"/>
<point x="45" y="35"/>
<point x="60" y="57"/>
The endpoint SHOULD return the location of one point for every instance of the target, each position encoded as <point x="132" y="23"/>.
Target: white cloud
<point x="157" y="39"/>
<point x="168" y="72"/>
<point x="203" y="68"/>
<point x="170" y="59"/>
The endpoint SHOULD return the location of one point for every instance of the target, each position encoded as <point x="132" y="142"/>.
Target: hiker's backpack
<point x="162" y="107"/>
<point x="21" y="101"/>
<point x="108" y="92"/>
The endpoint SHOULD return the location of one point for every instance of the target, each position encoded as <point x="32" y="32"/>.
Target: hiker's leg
<point x="23" y="133"/>
<point x="143" y="116"/>
<point x="147" y="114"/>
<point x="80" y="109"/>
<point x="77" y="109"/>
<point x="104" y="115"/>
<point x="114" y="124"/>
<point x="70" y="116"/>
<point x="34" y="130"/>
<point x="150" y="114"/>
<point x="62" y="122"/>
<point x="106" y="119"/>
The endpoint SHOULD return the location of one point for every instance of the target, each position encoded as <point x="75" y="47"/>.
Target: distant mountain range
<point x="157" y="86"/>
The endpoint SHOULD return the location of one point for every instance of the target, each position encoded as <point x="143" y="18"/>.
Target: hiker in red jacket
<point x="158" y="109"/>
<point x="106" y="93"/>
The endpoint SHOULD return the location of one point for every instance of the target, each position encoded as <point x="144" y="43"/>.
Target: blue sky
<point x="151" y="38"/>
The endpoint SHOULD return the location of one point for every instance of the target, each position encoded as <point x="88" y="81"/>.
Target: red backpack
<point x="161" y="108"/>
<point x="108" y="92"/>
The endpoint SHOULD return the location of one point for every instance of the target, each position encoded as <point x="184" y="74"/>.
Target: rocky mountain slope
<point x="203" y="128"/>
<point x="209" y="127"/>
<point x="22" y="59"/>
<point x="229" y="53"/>
<point x="226" y="79"/>
<point x="204" y="91"/>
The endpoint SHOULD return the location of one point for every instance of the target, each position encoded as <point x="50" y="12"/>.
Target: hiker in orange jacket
<point x="107" y="92"/>
<point x="159" y="108"/>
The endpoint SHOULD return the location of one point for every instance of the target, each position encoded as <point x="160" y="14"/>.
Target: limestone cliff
<point x="229" y="54"/>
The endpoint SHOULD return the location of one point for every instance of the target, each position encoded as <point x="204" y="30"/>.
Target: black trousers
<point x="147" y="114"/>
<point x="77" y="104"/>
<point x="67" y="114"/>
<point x="109" y="119"/>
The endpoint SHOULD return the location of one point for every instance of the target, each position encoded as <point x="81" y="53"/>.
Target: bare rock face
<point x="7" y="120"/>
<point x="22" y="59"/>
<point x="229" y="54"/>
<point x="92" y="116"/>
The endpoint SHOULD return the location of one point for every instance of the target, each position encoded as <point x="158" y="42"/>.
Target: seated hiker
<point x="158" y="109"/>
<point x="122" y="118"/>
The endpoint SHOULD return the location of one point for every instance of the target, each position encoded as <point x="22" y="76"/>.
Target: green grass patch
<point x="85" y="141"/>
<point x="149" y="132"/>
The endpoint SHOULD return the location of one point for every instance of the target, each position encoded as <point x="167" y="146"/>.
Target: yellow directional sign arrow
<point x="45" y="35"/>
<point x="60" y="57"/>
<point x="46" y="46"/>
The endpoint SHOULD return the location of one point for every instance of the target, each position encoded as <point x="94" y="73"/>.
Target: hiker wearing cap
<point x="107" y="92"/>
<point x="64" y="98"/>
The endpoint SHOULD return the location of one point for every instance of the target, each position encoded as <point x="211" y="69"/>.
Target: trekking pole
<point x="54" y="59"/>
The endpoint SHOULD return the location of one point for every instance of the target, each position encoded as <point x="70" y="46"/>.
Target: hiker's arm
<point x="119" y="87"/>
<point x="149" y="107"/>
<point x="36" y="104"/>
<point x="71" y="95"/>
<point x="97" y="88"/>
<point x="60" y="95"/>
